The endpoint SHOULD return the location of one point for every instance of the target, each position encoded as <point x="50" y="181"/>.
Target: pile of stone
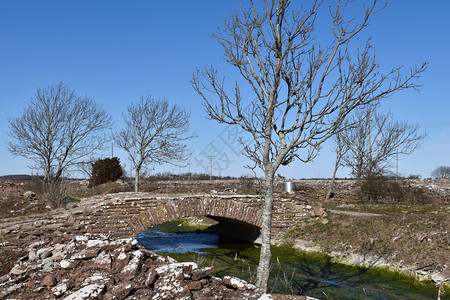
<point x="99" y="267"/>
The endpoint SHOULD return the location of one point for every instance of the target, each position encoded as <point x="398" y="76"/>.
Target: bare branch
<point x="58" y="130"/>
<point x="374" y="140"/>
<point x="304" y="88"/>
<point x="155" y="133"/>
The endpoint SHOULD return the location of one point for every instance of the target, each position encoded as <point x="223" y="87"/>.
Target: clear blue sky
<point x="117" y="51"/>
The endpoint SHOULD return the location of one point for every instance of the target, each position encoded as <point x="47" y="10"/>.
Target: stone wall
<point x="126" y="214"/>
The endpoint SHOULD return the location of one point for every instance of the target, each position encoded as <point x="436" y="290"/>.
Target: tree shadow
<point x="309" y="277"/>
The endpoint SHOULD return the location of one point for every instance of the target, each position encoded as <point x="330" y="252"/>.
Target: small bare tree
<point x="313" y="87"/>
<point x="340" y="149"/>
<point x="58" y="130"/>
<point x="441" y="172"/>
<point x="375" y="140"/>
<point x="154" y="133"/>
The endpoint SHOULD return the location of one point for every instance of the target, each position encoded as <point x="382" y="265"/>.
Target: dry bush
<point x="105" y="188"/>
<point x="55" y="194"/>
<point x="382" y="189"/>
<point x="250" y="185"/>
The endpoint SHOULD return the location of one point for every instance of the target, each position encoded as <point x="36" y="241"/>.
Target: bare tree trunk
<point x="277" y="55"/>
<point x="333" y="179"/>
<point x="47" y="176"/>
<point x="136" y="180"/>
<point x="263" y="270"/>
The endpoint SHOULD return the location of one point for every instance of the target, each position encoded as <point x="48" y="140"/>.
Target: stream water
<point x="293" y="272"/>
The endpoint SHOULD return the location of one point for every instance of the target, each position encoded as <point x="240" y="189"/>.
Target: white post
<point x="210" y="167"/>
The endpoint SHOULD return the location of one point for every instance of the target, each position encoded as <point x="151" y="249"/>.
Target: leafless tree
<point x="375" y="140"/>
<point x="154" y="133"/>
<point x="441" y="172"/>
<point x="312" y="85"/>
<point x="85" y="167"/>
<point x="58" y="130"/>
<point x="340" y="149"/>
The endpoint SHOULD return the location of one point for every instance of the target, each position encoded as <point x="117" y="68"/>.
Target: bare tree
<point x="85" y="167"/>
<point x="58" y="130"/>
<point x="375" y="140"/>
<point x="313" y="87"/>
<point x="340" y="149"/>
<point x="441" y="172"/>
<point x="154" y="133"/>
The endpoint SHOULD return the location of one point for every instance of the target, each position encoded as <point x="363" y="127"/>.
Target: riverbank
<point x="305" y="267"/>
<point x="379" y="266"/>
<point x="409" y="239"/>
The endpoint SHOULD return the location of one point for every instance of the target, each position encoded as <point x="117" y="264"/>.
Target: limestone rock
<point x="441" y="277"/>
<point x="97" y="267"/>
<point x="133" y="267"/>
<point x="29" y="194"/>
<point x="44" y="253"/>
<point x="18" y="270"/>
<point x="68" y="264"/>
<point x="49" y="281"/>
<point x="59" y="290"/>
<point x="202" y="273"/>
<point x="120" y="291"/>
<point x="88" y="292"/>
<point x="237" y="283"/>
<point x="86" y="254"/>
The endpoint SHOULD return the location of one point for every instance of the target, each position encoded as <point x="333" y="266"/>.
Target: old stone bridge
<point x="126" y="214"/>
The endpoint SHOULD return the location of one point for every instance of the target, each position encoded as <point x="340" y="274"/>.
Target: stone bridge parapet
<point x="126" y="214"/>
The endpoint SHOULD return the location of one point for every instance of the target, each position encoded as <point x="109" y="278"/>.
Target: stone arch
<point x="238" y="213"/>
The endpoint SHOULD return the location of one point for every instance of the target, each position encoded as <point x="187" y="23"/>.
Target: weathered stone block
<point x="201" y="273"/>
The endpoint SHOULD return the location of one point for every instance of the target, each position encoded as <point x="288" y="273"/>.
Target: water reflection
<point x="291" y="272"/>
<point x="178" y="242"/>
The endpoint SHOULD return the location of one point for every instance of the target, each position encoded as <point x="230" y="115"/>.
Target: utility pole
<point x="396" y="164"/>
<point x="189" y="169"/>
<point x="210" y="166"/>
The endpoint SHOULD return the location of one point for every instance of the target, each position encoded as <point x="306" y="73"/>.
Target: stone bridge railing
<point x="126" y="214"/>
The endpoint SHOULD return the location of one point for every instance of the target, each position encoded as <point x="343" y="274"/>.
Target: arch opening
<point x="237" y="221"/>
<point x="235" y="230"/>
<point x="194" y="234"/>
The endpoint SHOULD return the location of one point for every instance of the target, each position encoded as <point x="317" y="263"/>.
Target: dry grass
<point x="412" y="235"/>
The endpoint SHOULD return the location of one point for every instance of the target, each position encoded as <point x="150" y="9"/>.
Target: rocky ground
<point x="46" y="254"/>
<point x="43" y="254"/>
<point x="96" y="267"/>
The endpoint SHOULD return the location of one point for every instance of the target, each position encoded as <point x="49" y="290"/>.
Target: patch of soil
<point x="16" y="200"/>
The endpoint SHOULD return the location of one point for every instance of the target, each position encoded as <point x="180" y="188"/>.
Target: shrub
<point x="55" y="194"/>
<point x="379" y="189"/>
<point x="250" y="185"/>
<point x="382" y="189"/>
<point x="105" y="170"/>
